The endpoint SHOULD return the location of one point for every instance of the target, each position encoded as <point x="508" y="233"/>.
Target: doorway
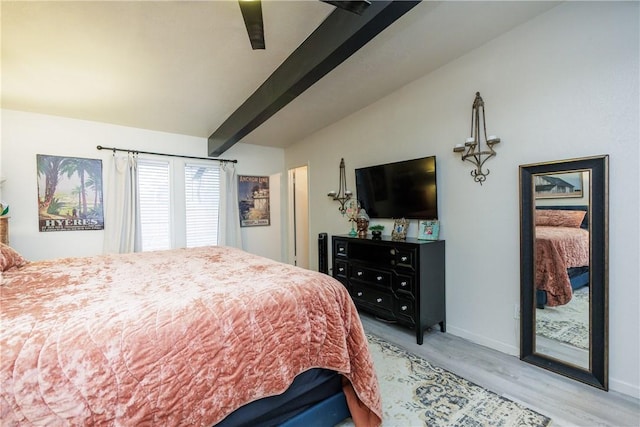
<point x="299" y="216"/>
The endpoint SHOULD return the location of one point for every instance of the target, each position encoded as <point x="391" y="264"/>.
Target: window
<point x="154" y="193"/>
<point x="202" y="197"/>
<point x="174" y="213"/>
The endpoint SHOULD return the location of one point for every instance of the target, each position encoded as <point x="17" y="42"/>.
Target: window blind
<point x="154" y="197"/>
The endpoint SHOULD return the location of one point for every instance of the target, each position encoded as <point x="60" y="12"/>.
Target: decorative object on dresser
<point x="352" y="210"/>
<point x="428" y="229"/>
<point x="400" y="227"/>
<point x="401" y="281"/>
<point x="472" y="148"/>
<point x="376" y="231"/>
<point x="362" y="223"/>
<point x="342" y="195"/>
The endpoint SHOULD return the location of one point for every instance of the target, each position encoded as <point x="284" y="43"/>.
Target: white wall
<point x="25" y="134"/>
<point x="564" y="85"/>
<point x="264" y="161"/>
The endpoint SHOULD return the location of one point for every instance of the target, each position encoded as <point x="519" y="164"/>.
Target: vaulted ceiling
<point x="185" y="66"/>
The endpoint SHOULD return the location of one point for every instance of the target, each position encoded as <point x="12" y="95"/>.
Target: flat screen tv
<point x="404" y="189"/>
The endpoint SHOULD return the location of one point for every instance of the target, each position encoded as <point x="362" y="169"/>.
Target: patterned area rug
<point x="567" y="323"/>
<point x="416" y="393"/>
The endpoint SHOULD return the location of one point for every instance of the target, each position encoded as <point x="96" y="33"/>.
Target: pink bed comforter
<point x="559" y="248"/>
<point x="179" y="337"/>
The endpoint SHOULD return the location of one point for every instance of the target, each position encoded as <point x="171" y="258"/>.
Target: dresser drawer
<point x="405" y="310"/>
<point x="404" y="258"/>
<point x="340" y="269"/>
<point x="339" y="248"/>
<point x="375" y="299"/>
<point x="404" y="285"/>
<point x="371" y="276"/>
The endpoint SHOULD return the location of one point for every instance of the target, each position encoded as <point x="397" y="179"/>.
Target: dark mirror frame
<point x="597" y="374"/>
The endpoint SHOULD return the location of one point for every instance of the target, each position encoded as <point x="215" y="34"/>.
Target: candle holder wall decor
<point x="343" y="195"/>
<point x="472" y="148"/>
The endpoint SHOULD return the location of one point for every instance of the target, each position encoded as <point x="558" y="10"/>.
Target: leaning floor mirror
<point x="564" y="267"/>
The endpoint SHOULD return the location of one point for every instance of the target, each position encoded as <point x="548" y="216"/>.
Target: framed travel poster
<point x="253" y="199"/>
<point x="69" y="193"/>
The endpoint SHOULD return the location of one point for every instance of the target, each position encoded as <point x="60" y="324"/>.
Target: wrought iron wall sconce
<point x="342" y="195"/>
<point x="472" y="149"/>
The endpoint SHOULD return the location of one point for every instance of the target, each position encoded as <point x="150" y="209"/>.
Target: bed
<point x="561" y="254"/>
<point x="186" y="336"/>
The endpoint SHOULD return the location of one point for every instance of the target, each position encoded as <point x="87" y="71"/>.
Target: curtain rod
<point x="100" y="147"/>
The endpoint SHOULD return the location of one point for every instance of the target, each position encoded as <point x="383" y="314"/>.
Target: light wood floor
<point x="566" y="402"/>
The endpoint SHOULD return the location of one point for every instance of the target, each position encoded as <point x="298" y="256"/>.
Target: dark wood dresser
<point x="401" y="281"/>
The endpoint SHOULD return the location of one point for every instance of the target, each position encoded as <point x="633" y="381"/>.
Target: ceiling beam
<point x="339" y="36"/>
<point x="252" y="15"/>
<point x="355" y="6"/>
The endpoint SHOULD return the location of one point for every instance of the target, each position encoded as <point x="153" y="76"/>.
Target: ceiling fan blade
<point x="355" y="6"/>
<point x="252" y="15"/>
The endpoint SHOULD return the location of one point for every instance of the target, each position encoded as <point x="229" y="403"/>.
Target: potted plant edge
<point x="376" y="230"/>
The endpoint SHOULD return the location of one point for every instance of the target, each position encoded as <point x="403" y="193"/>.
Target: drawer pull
<point x="392" y="251"/>
<point x="403" y="284"/>
<point x="359" y="273"/>
<point x="404" y="258"/>
<point x="403" y="308"/>
<point x="340" y="249"/>
<point x="359" y="294"/>
<point x="379" y="278"/>
<point x="341" y="269"/>
<point x="379" y="299"/>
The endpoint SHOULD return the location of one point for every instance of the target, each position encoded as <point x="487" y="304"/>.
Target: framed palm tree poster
<point x="69" y="193"/>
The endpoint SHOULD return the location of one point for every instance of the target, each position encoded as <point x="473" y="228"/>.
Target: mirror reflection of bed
<point x="562" y="269"/>
<point x="564" y="288"/>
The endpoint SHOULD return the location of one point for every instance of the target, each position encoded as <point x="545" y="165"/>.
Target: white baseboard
<point x="625" y="388"/>
<point x="482" y="340"/>
<point x="616" y="385"/>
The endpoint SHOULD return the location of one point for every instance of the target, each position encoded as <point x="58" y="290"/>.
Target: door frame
<point x="298" y="243"/>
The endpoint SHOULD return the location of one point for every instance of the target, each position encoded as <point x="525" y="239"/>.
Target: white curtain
<point x="122" y="222"/>
<point x="229" y="217"/>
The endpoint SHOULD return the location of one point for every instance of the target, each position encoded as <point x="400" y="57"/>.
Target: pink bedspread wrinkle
<point x="559" y="248"/>
<point x="180" y="337"/>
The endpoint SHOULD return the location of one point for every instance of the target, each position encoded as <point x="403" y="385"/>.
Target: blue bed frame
<point x="315" y="398"/>
<point x="327" y="413"/>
